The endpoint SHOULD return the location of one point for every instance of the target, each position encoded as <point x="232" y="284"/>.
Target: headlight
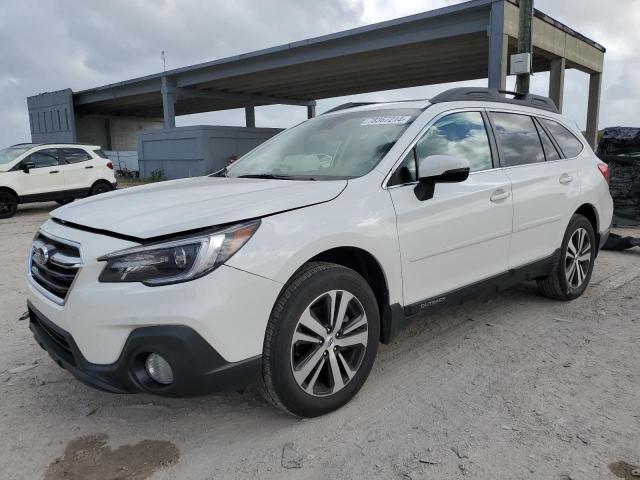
<point x="178" y="260"/>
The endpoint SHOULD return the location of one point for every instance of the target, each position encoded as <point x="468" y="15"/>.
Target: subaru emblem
<point x="41" y="255"/>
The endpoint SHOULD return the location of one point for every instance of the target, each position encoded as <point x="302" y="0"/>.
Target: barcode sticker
<point x="391" y="120"/>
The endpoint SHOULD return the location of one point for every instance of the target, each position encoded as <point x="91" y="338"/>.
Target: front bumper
<point x="229" y="308"/>
<point x="198" y="369"/>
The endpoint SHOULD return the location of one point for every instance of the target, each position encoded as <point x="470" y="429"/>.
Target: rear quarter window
<point x="568" y="142"/>
<point x="100" y="153"/>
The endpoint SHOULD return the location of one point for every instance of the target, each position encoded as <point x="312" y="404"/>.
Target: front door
<point x="46" y="176"/>
<point x="462" y="234"/>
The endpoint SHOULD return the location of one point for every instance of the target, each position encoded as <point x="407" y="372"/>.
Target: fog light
<point x="159" y="369"/>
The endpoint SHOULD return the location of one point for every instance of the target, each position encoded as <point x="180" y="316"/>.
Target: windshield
<point x="9" y="154"/>
<point x="346" y="145"/>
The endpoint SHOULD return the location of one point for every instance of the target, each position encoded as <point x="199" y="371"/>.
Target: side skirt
<point x="396" y="317"/>
<point x="50" y="196"/>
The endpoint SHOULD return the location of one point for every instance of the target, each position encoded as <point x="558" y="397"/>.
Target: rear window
<point x="100" y="153"/>
<point x="569" y="144"/>
<point x="518" y="137"/>
<point x="74" y="155"/>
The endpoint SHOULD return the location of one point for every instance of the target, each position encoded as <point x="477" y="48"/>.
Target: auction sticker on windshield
<point x="391" y="120"/>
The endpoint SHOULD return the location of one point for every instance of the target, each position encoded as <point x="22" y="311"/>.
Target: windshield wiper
<point x="271" y="176"/>
<point x="220" y="173"/>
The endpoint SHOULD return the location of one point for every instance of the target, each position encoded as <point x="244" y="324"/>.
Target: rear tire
<point x="100" y="187"/>
<point x="314" y="362"/>
<point x="8" y="205"/>
<point x="572" y="274"/>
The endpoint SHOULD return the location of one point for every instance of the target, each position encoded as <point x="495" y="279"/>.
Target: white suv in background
<point x="289" y="267"/>
<point x="42" y="173"/>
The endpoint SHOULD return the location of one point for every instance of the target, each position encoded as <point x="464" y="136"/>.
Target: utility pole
<point x="524" y="41"/>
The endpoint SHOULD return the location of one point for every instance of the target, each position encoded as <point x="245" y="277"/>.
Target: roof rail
<point x="495" y="95"/>
<point x="83" y="144"/>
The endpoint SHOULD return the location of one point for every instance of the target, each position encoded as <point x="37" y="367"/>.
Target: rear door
<point x="461" y="235"/>
<point x="78" y="168"/>
<point x="45" y="177"/>
<point x="545" y="186"/>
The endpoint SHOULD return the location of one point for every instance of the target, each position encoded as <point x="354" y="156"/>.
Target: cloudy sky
<point x="50" y="45"/>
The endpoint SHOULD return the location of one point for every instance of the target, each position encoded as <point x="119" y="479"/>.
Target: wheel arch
<point x="588" y="211"/>
<point x="11" y="191"/>
<point x="101" y="180"/>
<point x="371" y="270"/>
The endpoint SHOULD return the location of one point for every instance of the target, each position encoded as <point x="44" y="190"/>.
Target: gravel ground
<point x="510" y="386"/>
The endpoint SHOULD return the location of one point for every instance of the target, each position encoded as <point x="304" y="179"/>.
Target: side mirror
<point x="26" y="166"/>
<point x="439" y="169"/>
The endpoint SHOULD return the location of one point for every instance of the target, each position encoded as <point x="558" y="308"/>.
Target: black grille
<point x="53" y="265"/>
<point x="52" y="338"/>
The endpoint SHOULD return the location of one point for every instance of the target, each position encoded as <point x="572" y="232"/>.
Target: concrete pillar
<point x="250" y="117"/>
<point x="311" y="111"/>
<point x="556" y="81"/>
<point x="593" y="108"/>
<point x="168" y="102"/>
<point x="498" y="48"/>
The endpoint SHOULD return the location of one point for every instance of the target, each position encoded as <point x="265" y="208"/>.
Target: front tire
<point x="8" y="205"/>
<point x="573" y="272"/>
<point x="321" y="340"/>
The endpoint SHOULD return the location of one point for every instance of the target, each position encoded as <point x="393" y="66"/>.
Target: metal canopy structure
<point x="472" y="40"/>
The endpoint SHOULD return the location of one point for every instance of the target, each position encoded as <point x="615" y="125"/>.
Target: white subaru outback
<point x="289" y="267"/>
<point x="45" y="172"/>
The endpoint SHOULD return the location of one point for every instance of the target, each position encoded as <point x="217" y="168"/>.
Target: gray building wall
<point x="198" y="150"/>
<point x="113" y="133"/>
<point x="51" y="117"/>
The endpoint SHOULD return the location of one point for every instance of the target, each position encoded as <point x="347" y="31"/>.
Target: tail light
<point x="110" y="165"/>
<point x="604" y="170"/>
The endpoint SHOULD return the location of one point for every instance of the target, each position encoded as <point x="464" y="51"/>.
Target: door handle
<point x="54" y="171"/>
<point x="89" y="166"/>
<point x="499" y="195"/>
<point x="565" y="179"/>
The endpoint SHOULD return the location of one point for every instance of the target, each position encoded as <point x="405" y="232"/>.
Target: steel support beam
<point x="311" y="111"/>
<point x="250" y="117"/>
<point x="240" y="97"/>
<point x="593" y="108"/>
<point x="556" y="81"/>
<point x="168" y="102"/>
<point x="498" y="48"/>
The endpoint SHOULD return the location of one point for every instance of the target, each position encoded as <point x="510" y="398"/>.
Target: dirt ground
<point x="511" y="386"/>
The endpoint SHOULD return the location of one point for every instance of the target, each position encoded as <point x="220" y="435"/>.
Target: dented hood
<point x="180" y="205"/>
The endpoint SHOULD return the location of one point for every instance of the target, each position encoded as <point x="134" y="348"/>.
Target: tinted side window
<point x="569" y="144"/>
<point x="43" y="158"/>
<point x="406" y="171"/>
<point x="518" y="137"/>
<point x="461" y="135"/>
<point x="74" y="155"/>
<point x="550" y="151"/>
